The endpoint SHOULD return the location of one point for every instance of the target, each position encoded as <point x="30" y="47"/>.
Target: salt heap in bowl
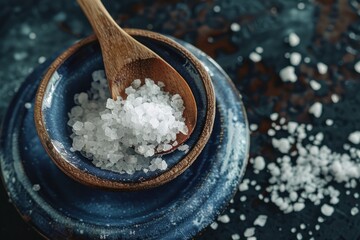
<point x="124" y="135"/>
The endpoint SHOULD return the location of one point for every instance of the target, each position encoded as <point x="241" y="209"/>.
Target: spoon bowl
<point x="71" y="72"/>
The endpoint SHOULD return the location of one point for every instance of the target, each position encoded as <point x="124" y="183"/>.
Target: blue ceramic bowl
<point x="71" y="73"/>
<point x="61" y="208"/>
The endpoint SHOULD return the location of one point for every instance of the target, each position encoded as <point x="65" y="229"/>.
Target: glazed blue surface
<point x="64" y="208"/>
<point x="74" y="76"/>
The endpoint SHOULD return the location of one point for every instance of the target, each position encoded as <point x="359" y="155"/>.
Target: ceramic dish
<point x="61" y="208"/>
<point x="71" y="73"/>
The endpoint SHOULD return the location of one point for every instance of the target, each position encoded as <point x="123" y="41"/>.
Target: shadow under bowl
<point x="71" y="73"/>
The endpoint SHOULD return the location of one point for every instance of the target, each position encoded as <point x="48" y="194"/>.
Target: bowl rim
<point x="91" y="180"/>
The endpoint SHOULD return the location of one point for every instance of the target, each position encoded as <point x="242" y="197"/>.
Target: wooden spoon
<point x="126" y="59"/>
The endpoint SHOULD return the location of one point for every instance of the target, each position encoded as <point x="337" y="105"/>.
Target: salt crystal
<point x="253" y="127"/>
<point x="283" y="144"/>
<point x="299" y="206"/>
<point x="327" y="210"/>
<point x="274" y="116"/>
<point x="294" y="39"/>
<point x="335" y="98"/>
<point x="322" y="68"/>
<point x="235" y="27"/>
<point x="27" y="105"/>
<point x="224" y="218"/>
<point x="287" y="74"/>
<point x="357" y="67"/>
<point x="255" y="57"/>
<point x="329" y="122"/>
<point x="184" y="148"/>
<point x="214" y="225"/>
<point x="235" y="236"/>
<point x="354" y="211"/>
<point x="315" y="85"/>
<point x="259" y="163"/>
<point x="243" y="187"/>
<point x="295" y="58"/>
<point x="259" y="50"/>
<point x="41" y="59"/>
<point x="316" y="109"/>
<point x="260" y="220"/>
<point x="249" y="232"/>
<point x="242" y="217"/>
<point x="354" y="137"/>
<point x="217" y="8"/>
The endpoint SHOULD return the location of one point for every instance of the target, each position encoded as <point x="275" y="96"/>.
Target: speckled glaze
<point x="179" y="209"/>
<point x="70" y="73"/>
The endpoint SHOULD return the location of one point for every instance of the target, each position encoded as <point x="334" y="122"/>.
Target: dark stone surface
<point x="329" y="32"/>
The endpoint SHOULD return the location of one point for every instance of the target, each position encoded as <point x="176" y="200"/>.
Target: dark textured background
<point x="329" y="32"/>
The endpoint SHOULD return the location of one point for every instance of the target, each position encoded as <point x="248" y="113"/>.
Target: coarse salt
<point x="327" y="210"/>
<point x="316" y="109"/>
<point x="322" y="68"/>
<point x="123" y="135"/>
<point x="294" y="39"/>
<point x="287" y="74"/>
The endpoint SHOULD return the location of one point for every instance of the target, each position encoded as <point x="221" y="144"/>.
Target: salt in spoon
<point x="126" y="59"/>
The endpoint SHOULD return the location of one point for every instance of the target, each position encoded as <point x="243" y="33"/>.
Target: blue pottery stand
<point x="60" y="208"/>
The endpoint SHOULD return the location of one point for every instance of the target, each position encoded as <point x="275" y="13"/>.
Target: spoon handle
<point x="118" y="47"/>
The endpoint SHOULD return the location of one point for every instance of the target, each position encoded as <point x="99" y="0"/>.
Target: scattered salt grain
<point x="335" y="98"/>
<point x="41" y="59"/>
<point x="274" y="116"/>
<point x="301" y="6"/>
<point x="224" y="218"/>
<point x="294" y="39"/>
<point x="354" y="137"/>
<point x="316" y="109"/>
<point x="242" y="217"/>
<point x="260" y="220"/>
<point x="299" y="236"/>
<point x="357" y="67"/>
<point x="243" y="186"/>
<point x="315" y="85"/>
<point x="259" y="50"/>
<point x="327" y="210"/>
<point x="249" y="232"/>
<point x="235" y="236"/>
<point x="354" y="211"/>
<point x="184" y="148"/>
<point x="295" y="58"/>
<point x="242" y="198"/>
<point x="259" y="163"/>
<point x="235" y="27"/>
<point x="299" y="206"/>
<point x="322" y="68"/>
<point x="27" y="105"/>
<point x="255" y="57"/>
<point x="253" y="127"/>
<point x="217" y="8"/>
<point x="283" y="144"/>
<point x="329" y="122"/>
<point x="214" y="225"/>
<point x="287" y="74"/>
<point x="32" y="35"/>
